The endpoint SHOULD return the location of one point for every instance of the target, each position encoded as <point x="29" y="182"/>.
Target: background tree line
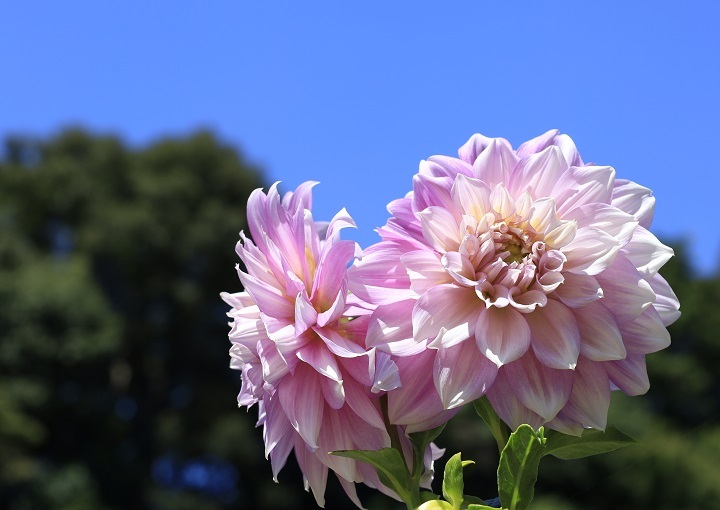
<point x="115" y="391"/>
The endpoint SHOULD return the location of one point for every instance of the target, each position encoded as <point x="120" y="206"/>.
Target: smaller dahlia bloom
<point x="298" y="338"/>
<point x="531" y="274"/>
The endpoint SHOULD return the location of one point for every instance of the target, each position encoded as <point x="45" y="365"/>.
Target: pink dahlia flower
<point x="299" y="339"/>
<point x="532" y="274"/>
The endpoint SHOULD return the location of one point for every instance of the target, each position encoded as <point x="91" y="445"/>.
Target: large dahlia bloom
<point x="299" y="339"/>
<point x="532" y="274"/>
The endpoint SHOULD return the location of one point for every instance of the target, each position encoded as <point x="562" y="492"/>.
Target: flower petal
<point x="390" y="329"/>
<point x="379" y="276"/>
<point x="502" y="334"/>
<point x="578" y="290"/>
<point x="440" y="229"/>
<point x="646" y="252"/>
<point x="666" y="302"/>
<point x="555" y="335"/>
<point x="541" y="389"/>
<point x="634" y="199"/>
<point x="600" y="334"/>
<point x="496" y="162"/>
<point x="301" y="399"/>
<point x="591" y="251"/>
<point x="473" y="147"/>
<point x="462" y="374"/>
<point x="471" y="196"/>
<point x="538" y="173"/>
<point x="590" y="397"/>
<point x="508" y="406"/>
<point x="629" y="374"/>
<point x="448" y="307"/>
<point x="625" y="292"/>
<point x="646" y="334"/>
<point x="425" y="270"/>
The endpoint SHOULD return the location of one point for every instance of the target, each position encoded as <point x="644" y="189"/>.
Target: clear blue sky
<point x="354" y="94"/>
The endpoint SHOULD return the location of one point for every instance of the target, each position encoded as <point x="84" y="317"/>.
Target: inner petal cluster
<point x="509" y="250"/>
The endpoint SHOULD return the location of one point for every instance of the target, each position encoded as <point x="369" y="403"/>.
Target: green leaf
<point x="517" y="472"/>
<point x="388" y="464"/>
<point x="592" y="442"/>
<point x="498" y="428"/>
<point x="480" y="507"/>
<point x="474" y="503"/>
<point x="453" y="484"/>
<point x="420" y="442"/>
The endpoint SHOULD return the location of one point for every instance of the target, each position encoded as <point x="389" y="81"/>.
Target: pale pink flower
<point x="532" y="274"/>
<point x="299" y="339"/>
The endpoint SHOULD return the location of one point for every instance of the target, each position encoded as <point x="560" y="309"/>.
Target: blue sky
<point x="355" y="94"/>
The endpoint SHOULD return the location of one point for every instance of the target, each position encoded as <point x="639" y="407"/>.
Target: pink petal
<point x="314" y="472"/>
<point x="448" y="307"/>
<point x="539" y="172"/>
<point x="591" y="251"/>
<point x="417" y="401"/>
<point x="568" y="149"/>
<point x="471" y="196"/>
<point x="278" y="434"/>
<point x="440" y="229"/>
<point x="625" y="292"/>
<point x="666" y="302"/>
<point x="379" y="277"/>
<point x="502" y="334"/>
<point x="274" y="366"/>
<point x="590" y="397"/>
<point x="445" y="166"/>
<point x="507" y="405"/>
<point x="300" y="198"/>
<point x="429" y="191"/>
<point x="269" y="299"/>
<point x="301" y="399"/>
<point x="495" y="163"/>
<point x="601" y="338"/>
<point x="387" y="375"/>
<point x="305" y="314"/>
<point x="473" y="147"/>
<point x="330" y="276"/>
<point x="629" y="375"/>
<point x="460" y="268"/>
<point x="634" y="199"/>
<point x="502" y="201"/>
<point x="646" y="334"/>
<point x="537" y="144"/>
<point x="646" y="252"/>
<point x="607" y="218"/>
<point x="541" y="389"/>
<point x="425" y="270"/>
<point x="390" y="329"/>
<point x="555" y="335"/>
<point x="340" y="221"/>
<point x="578" y="290"/>
<point x="363" y="406"/>
<point x="462" y="374"/>
<point x="583" y="185"/>
<point x="335" y="311"/>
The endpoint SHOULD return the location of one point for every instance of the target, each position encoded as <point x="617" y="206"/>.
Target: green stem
<point x="414" y="499"/>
